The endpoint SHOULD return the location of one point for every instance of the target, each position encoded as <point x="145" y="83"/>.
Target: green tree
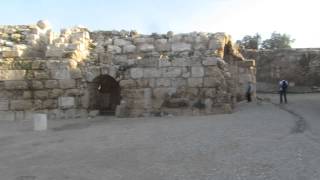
<point x="277" y="41"/>
<point x="250" y="42"/>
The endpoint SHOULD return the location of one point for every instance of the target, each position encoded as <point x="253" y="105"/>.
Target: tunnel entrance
<point x="104" y="94"/>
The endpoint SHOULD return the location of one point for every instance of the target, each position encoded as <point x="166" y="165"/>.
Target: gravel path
<point x="258" y="141"/>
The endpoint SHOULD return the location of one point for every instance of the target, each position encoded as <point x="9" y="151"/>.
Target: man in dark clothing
<point x="249" y="91"/>
<point x="283" y="85"/>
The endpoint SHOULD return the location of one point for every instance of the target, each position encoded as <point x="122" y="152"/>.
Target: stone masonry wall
<point x="183" y="74"/>
<point x="301" y="67"/>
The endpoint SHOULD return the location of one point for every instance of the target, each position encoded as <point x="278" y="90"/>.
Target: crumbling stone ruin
<point x="301" y="67"/>
<point x="78" y="73"/>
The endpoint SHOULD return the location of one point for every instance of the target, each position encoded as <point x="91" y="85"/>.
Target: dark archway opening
<point x="104" y="94"/>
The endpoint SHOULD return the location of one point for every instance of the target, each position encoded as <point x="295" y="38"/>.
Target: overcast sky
<point x="297" y="18"/>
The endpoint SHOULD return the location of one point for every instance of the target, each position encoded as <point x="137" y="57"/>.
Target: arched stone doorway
<point x="104" y="94"/>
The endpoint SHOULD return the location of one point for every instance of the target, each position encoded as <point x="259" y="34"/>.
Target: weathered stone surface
<point x="12" y="53"/>
<point x="151" y="72"/>
<point x="128" y="84"/>
<point x="211" y="82"/>
<point x="162" y="45"/>
<point x="42" y="94"/>
<point x="113" y="49"/>
<point x="50" y="104"/>
<point x="67" y="83"/>
<point x="37" y="85"/>
<point x="39" y="74"/>
<point x="12" y="75"/>
<point x="73" y="92"/>
<point x="60" y="73"/>
<point x="21" y="104"/>
<point x="4" y="104"/>
<point x="121" y="42"/>
<point x="145" y="47"/>
<point x="16" y="85"/>
<point x="177" y="47"/>
<point x="210" y="61"/>
<point x="156" y="73"/>
<point x="66" y="102"/>
<point x="213" y="71"/>
<point x="91" y="73"/>
<point x="197" y="71"/>
<point x="51" y="84"/>
<point x="163" y="82"/>
<point x="54" y="93"/>
<point x="171" y="72"/>
<point x="178" y="82"/>
<point x="144" y="83"/>
<point x="136" y="73"/>
<point x="129" y="48"/>
<point x="7" y="116"/>
<point x="181" y="62"/>
<point x="195" y="82"/>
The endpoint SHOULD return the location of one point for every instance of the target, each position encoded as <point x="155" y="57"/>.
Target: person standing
<point x="249" y="91"/>
<point x="283" y="85"/>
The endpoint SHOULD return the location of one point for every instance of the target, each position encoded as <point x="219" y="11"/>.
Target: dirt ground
<point x="260" y="140"/>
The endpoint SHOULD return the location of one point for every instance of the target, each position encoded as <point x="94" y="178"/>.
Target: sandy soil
<point x="261" y="140"/>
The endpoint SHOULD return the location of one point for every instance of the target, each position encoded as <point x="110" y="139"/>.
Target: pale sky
<point x="297" y="18"/>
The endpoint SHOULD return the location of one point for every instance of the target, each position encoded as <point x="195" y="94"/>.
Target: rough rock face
<point x="301" y="67"/>
<point x="79" y="73"/>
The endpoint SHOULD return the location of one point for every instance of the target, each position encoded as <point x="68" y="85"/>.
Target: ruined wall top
<point x="39" y="41"/>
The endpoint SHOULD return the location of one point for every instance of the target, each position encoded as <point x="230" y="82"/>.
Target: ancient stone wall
<point x="301" y="67"/>
<point x="78" y="73"/>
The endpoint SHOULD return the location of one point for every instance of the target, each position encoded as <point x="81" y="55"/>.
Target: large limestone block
<point x="62" y="73"/>
<point x="121" y="42"/>
<point x="151" y="72"/>
<point x="66" y="102"/>
<point x="183" y="62"/>
<point x="195" y="82"/>
<point x="163" y="82"/>
<point x="21" y="104"/>
<point x="39" y="122"/>
<point x="12" y="75"/>
<point x="37" y="85"/>
<point x="67" y="83"/>
<point x="145" y="47"/>
<point x="11" y="85"/>
<point x="128" y="83"/>
<point x="54" y="93"/>
<point x="197" y="71"/>
<point x="41" y="94"/>
<point x="50" y="104"/>
<point x="129" y="48"/>
<point x="136" y="73"/>
<point x="143" y="40"/>
<point x="178" y="82"/>
<point x="12" y="53"/>
<point x="171" y="72"/>
<point x="51" y="84"/>
<point x="41" y="74"/>
<point x="177" y="47"/>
